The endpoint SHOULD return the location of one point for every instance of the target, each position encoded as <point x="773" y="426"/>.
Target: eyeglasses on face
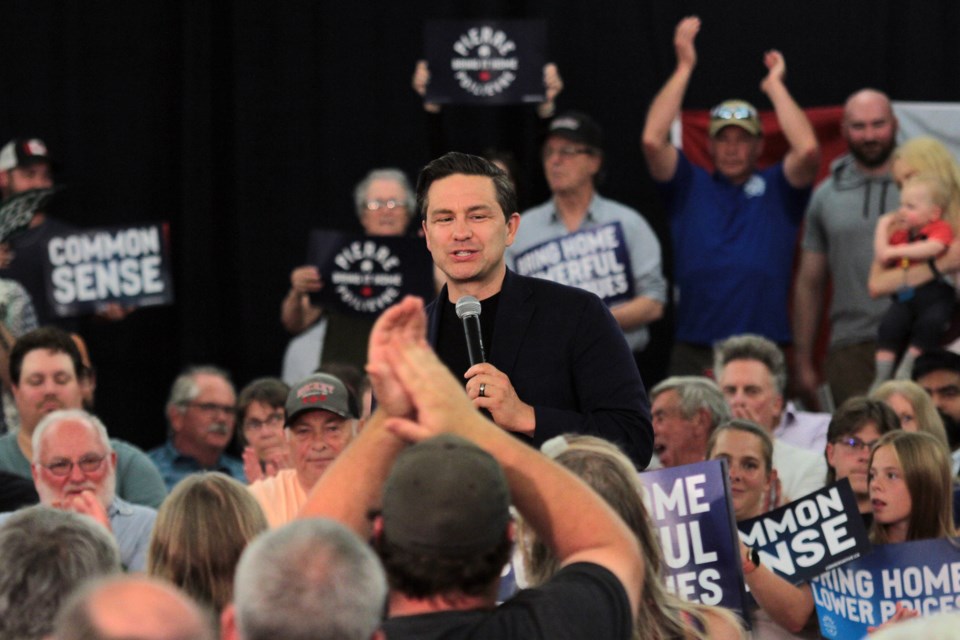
<point x="273" y="420"/>
<point x="210" y="408"/>
<point x="856" y="444"/>
<point x="373" y="205"/>
<point x="733" y="113"/>
<point x="87" y="464"/>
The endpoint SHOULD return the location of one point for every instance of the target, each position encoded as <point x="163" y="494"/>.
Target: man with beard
<point x="201" y="411"/>
<point x="838" y="243"/>
<point x="46" y="370"/>
<point x="74" y="468"/>
<point x="938" y="372"/>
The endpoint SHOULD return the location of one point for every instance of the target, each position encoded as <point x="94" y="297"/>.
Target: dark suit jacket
<point x="566" y="356"/>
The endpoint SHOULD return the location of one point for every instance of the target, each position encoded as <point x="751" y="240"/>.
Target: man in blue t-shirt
<point x="733" y="230"/>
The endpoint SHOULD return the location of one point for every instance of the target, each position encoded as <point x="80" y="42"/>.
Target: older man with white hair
<point x="74" y="468"/>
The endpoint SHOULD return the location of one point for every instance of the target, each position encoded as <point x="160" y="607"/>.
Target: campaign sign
<point x="692" y="513"/>
<point x="363" y="275"/>
<point x="923" y="575"/>
<point x="485" y="61"/>
<point x="595" y="259"/>
<point x="126" y="265"/>
<point x="811" y="535"/>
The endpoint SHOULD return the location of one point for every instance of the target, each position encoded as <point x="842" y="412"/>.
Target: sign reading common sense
<point x="485" y="61"/>
<point x="88" y="269"/>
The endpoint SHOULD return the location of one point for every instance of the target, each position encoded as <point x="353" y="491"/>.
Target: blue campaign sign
<point x="811" y="535"/>
<point x="923" y="575"/>
<point x="692" y="513"/>
<point x="595" y="259"/>
<point x="363" y="275"/>
<point x="128" y="265"/>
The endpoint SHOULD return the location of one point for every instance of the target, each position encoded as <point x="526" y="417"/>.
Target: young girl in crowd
<point x="921" y="230"/>
<point x="610" y="473"/>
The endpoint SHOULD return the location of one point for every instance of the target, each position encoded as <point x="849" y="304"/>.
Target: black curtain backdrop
<point x="245" y="124"/>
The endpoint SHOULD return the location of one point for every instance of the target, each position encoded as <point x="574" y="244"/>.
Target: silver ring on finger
<point x="483" y="390"/>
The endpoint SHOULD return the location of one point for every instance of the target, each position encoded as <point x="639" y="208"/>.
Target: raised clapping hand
<point x="776" y="68"/>
<point x="403" y="323"/>
<point x="683" y="41"/>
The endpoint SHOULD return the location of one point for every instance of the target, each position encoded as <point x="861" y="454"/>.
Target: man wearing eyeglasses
<point x="733" y="230"/>
<point x="75" y="469"/>
<point x="201" y="411"/>
<point x="385" y="206"/>
<point x="626" y="276"/>
<point x="322" y="420"/>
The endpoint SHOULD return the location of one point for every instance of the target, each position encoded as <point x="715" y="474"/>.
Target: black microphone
<point x="468" y="310"/>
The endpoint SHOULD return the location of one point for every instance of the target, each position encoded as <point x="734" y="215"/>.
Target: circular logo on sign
<point x="366" y="276"/>
<point x="485" y="61"/>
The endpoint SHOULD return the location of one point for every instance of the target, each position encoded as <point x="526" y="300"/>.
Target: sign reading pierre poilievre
<point x="485" y="61"/>
<point x="128" y="265"/>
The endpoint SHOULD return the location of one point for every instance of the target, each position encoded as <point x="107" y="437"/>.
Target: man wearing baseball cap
<point x="734" y="230"/>
<point x="321" y="420"/>
<point x="25" y="164"/>
<point x="573" y="163"/>
<point x="443" y="529"/>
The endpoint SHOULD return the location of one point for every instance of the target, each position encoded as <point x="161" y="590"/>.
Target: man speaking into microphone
<point x="556" y="360"/>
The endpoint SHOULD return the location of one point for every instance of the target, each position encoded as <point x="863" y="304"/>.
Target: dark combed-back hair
<point x="422" y="575"/>
<point x="455" y="163"/>
<point x="49" y="338"/>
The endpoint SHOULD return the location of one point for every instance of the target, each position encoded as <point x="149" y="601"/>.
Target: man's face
<point x="944" y="387"/>
<point x="48" y="382"/>
<point x="869" y="129"/>
<point x="676" y="440"/>
<point x="735" y="152"/>
<point x="316" y="439"/>
<point x="263" y="428"/>
<point x="850" y="457"/>
<point x="749" y="389"/>
<point x="74" y="441"/>
<point x="569" y="166"/>
<point x="20" y="179"/>
<point x="379" y="218"/>
<point x="467" y="233"/>
<point x="206" y="422"/>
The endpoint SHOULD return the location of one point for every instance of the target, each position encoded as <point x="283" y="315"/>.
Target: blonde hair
<point x="608" y="471"/>
<point x="202" y="528"/>
<point x="927" y="472"/>
<point x="928" y="155"/>
<point x="925" y="412"/>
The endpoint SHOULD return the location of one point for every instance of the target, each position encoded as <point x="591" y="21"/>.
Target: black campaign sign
<point x="126" y="265"/>
<point x="485" y="61"/>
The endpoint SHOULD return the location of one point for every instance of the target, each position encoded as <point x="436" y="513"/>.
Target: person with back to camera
<point x="921" y="230"/>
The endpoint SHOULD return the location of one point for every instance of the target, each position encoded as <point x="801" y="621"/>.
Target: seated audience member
<point x="748" y="450"/>
<point x="311" y="579"/>
<point x="75" y="469"/>
<point x="914" y="408"/>
<point x="201" y="530"/>
<point x="321" y="421"/>
<point x="938" y="372"/>
<point x="444" y="532"/>
<point x="46" y="368"/>
<point x="45" y="554"/>
<point x="133" y="607"/>
<point x="385" y="206"/>
<point x="752" y="374"/>
<point x="260" y="411"/>
<point x="201" y="411"/>
<point x="685" y="411"/>
<point x="609" y="472"/>
<point x="856" y="426"/>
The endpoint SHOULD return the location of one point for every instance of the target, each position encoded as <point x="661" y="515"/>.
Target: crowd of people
<point x="396" y="468"/>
